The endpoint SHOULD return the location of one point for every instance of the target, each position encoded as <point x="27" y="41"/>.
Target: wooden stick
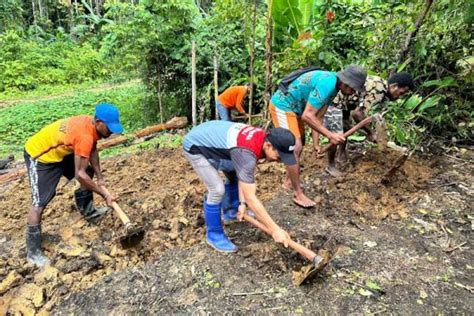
<point x="120" y="213"/>
<point x="246" y="116"/>
<point x="302" y="250"/>
<point x="268" y="60"/>
<point x="354" y="129"/>
<point x="412" y="34"/>
<point x="193" y="83"/>
<point x="216" y="86"/>
<point x="252" y="61"/>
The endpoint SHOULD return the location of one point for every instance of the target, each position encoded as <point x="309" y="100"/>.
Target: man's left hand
<point x="241" y="211"/>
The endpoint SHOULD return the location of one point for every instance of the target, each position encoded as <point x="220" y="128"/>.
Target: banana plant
<point x="293" y="15"/>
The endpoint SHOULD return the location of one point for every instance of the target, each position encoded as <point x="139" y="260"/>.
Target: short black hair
<point x="402" y="79"/>
<point x="254" y="86"/>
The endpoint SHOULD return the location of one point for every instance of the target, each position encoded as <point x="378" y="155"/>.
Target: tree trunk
<point x="252" y="61"/>
<point x="193" y="84"/>
<point x="411" y="35"/>
<point x="268" y="60"/>
<point x="35" y="19"/>
<point x="159" y="98"/>
<point x="216" y="86"/>
<point x="40" y="9"/>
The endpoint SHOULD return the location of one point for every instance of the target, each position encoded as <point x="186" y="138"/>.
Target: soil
<point x="404" y="247"/>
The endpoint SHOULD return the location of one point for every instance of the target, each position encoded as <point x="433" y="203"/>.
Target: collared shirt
<point x="315" y="87"/>
<point x="376" y="92"/>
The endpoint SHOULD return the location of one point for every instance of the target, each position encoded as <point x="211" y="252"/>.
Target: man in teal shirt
<point x="306" y="101"/>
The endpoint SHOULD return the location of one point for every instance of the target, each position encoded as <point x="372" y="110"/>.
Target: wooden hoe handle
<point x="120" y="213"/>
<point x="302" y="250"/>
<point x="354" y="129"/>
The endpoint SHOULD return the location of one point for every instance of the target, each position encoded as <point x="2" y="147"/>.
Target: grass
<point x="164" y="140"/>
<point x="22" y="120"/>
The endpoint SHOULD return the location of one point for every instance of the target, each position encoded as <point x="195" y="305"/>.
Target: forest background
<point x="137" y="54"/>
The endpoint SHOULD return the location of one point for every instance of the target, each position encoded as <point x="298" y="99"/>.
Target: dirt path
<point x="99" y="88"/>
<point x="403" y="249"/>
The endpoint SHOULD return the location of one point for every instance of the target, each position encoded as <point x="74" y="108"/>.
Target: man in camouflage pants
<point x="338" y="116"/>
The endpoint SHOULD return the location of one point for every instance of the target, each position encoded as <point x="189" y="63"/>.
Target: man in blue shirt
<point x="306" y="101"/>
<point x="235" y="149"/>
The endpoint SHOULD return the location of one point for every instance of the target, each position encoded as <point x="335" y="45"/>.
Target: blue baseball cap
<point x="109" y="114"/>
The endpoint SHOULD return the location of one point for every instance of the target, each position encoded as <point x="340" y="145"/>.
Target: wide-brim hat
<point x="354" y="76"/>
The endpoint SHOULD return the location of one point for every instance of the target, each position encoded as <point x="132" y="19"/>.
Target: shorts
<point x="287" y="120"/>
<point x="333" y="120"/>
<point x="44" y="177"/>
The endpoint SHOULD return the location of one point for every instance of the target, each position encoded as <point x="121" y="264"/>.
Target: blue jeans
<point x="224" y="113"/>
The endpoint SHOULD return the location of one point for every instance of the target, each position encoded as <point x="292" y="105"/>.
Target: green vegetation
<point x="23" y="120"/>
<point x="49" y="46"/>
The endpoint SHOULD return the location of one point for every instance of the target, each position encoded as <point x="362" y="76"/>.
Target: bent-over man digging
<point x="235" y="148"/>
<point x="337" y="119"/>
<point x="305" y="102"/>
<point x="67" y="148"/>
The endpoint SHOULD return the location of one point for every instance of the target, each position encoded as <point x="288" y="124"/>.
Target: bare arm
<point x="249" y="191"/>
<point x="80" y="164"/>
<point x="358" y="115"/>
<point x="95" y="163"/>
<point x="315" y="134"/>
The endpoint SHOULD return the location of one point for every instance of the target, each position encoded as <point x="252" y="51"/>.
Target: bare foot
<point x="332" y="171"/>
<point x="303" y="201"/>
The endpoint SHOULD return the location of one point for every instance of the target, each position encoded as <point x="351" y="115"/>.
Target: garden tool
<point x="318" y="260"/>
<point x="379" y="121"/>
<point x="133" y="233"/>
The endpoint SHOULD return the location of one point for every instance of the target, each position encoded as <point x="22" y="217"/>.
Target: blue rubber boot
<point x="230" y="202"/>
<point x="215" y="235"/>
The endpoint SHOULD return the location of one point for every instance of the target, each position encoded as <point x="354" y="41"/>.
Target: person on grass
<point x="377" y="92"/>
<point x="67" y="148"/>
<point x="232" y="99"/>
<point x="306" y="101"/>
<point x="235" y="149"/>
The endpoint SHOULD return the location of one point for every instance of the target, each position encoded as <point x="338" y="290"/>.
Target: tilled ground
<point x="403" y="247"/>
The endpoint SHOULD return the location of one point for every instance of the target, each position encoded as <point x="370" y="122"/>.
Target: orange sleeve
<point x="239" y="103"/>
<point x="233" y="97"/>
<point x="83" y="145"/>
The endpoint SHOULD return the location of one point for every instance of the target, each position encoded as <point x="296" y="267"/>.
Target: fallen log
<point x="174" y="123"/>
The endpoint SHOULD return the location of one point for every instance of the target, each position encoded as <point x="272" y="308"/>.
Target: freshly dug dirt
<point x="397" y="245"/>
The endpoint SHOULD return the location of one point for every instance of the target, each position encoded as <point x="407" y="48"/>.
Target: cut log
<point x="174" y="123"/>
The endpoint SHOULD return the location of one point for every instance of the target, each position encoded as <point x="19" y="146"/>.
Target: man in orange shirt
<point x="232" y="99"/>
<point x="65" y="148"/>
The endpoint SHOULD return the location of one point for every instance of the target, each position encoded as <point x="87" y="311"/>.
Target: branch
<point x="411" y="35"/>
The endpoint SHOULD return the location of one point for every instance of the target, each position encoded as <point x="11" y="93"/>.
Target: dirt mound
<point x="160" y="192"/>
